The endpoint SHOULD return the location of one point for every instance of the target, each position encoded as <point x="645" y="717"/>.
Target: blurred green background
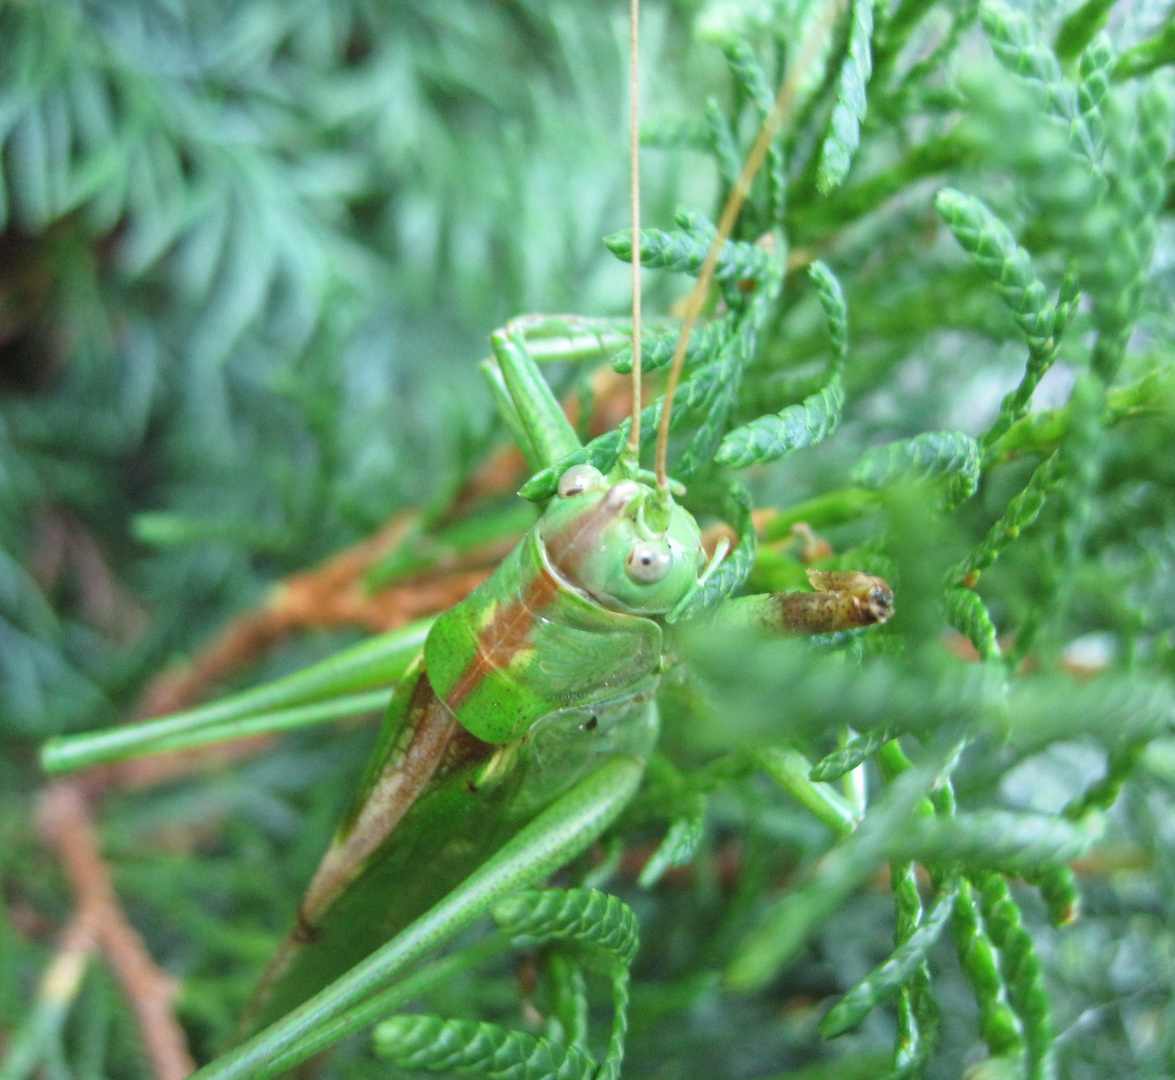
<point x="250" y="254"/>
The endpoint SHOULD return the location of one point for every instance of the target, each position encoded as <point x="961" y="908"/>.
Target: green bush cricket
<point x="521" y="719"/>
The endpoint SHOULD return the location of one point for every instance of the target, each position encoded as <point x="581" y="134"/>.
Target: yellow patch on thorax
<point x="486" y="618"/>
<point x="522" y="659"/>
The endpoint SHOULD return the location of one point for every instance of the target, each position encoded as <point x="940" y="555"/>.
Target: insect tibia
<point x="841" y="600"/>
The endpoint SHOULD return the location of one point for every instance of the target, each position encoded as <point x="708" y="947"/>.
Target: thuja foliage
<point x="251" y="254"/>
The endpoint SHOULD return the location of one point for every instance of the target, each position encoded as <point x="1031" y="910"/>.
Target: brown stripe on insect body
<point x="568" y="548"/>
<point x="430" y="727"/>
<point x="507" y="634"/>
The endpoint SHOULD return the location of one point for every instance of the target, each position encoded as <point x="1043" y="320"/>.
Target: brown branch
<point x="299" y="602"/>
<point x="65" y="823"/>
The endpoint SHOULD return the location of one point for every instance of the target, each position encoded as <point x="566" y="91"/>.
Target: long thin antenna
<point x="633" y="451"/>
<point x="784" y="101"/>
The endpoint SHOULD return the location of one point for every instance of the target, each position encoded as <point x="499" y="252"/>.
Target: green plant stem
<point x="790" y="769"/>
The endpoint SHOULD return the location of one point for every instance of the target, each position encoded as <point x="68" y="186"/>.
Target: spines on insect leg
<point x="841" y="600"/>
<point x="530" y="410"/>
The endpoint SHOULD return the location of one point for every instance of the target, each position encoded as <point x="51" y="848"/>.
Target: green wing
<point x="468" y="810"/>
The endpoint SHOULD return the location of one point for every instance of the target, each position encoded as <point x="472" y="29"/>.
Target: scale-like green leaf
<point x="582" y="916"/>
<point x="678" y="847"/>
<point x="998" y="1024"/>
<point x="855" y="752"/>
<point x="733" y="570"/>
<point x="1022" y="511"/>
<point x="1059" y="891"/>
<point x="844" y="128"/>
<point x="1080" y="27"/>
<point x="836" y="311"/>
<point x="765" y="951"/>
<point x="1097" y="65"/>
<point x="993" y="839"/>
<point x="726" y="375"/>
<point x="968" y="614"/>
<point x="1023" y="974"/>
<point x="1118" y="270"/>
<point x="752" y="82"/>
<point x="685" y="252"/>
<point x="1114" y="709"/>
<point x="723" y="144"/>
<point x="468" y="1048"/>
<point x="947" y="456"/>
<point x="990" y="243"/>
<point x="1015" y="44"/>
<point x="888" y="977"/>
<point x="657" y="349"/>
<point x="812" y="420"/>
<point x="798" y="426"/>
<point x="748" y="75"/>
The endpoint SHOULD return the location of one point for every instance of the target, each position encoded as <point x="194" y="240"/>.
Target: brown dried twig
<point x="65" y="823"/>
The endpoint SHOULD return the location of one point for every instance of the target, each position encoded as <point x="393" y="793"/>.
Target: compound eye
<point x="578" y="479"/>
<point x="648" y="562"/>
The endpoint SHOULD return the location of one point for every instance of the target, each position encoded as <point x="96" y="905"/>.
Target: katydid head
<point x="621" y="542"/>
<point x="628" y="546"/>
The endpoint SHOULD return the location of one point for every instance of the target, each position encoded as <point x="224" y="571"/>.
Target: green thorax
<point x="565" y="619"/>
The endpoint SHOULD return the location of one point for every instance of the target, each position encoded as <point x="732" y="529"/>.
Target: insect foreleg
<point x="521" y="394"/>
